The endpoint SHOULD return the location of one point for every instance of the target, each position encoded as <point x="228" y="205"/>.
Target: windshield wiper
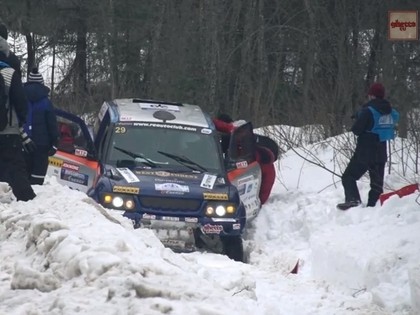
<point x="145" y="161"/>
<point x="182" y="159"/>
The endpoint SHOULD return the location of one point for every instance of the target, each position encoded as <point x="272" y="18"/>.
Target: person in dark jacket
<point x="41" y="127"/>
<point x="374" y="125"/>
<point x="12" y="162"/>
<point x="9" y="58"/>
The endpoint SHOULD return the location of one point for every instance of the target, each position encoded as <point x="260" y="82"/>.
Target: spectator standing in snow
<point x="374" y="125"/>
<point x="12" y="162"/>
<point x="264" y="156"/>
<point x="9" y="58"/>
<point x="41" y="126"/>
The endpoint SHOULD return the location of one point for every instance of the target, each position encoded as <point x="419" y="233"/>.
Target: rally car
<point x="162" y="165"/>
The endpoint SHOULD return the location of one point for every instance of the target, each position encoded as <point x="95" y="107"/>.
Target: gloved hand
<point x="238" y="123"/>
<point x="52" y="151"/>
<point x="28" y="145"/>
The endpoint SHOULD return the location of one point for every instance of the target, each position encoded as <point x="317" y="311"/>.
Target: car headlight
<point x="220" y="209"/>
<point x="118" y="201"/>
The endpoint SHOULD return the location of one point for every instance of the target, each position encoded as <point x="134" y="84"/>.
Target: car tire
<point x="233" y="247"/>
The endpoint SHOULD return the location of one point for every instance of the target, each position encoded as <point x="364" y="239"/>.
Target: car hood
<point x="169" y="182"/>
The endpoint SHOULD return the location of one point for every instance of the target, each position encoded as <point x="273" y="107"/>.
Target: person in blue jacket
<point x="374" y="126"/>
<point x="41" y="127"/>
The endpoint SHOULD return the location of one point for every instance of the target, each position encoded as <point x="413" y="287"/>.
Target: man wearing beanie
<point x="374" y="126"/>
<point x="12" y="162"/>
<point x="41" y="127"/>
<point x="8" y="56"/>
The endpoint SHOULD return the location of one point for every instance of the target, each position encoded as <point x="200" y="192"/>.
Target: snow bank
<point x="414" y="280"/>
<point x="362" y="257"/>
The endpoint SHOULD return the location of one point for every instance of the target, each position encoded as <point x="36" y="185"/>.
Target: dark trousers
<point x="354" y="171"/>
<point x="37" y="164"/>
<point x="13" y="167"/>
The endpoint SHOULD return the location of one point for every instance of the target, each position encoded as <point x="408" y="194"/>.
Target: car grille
<point x="170" y="204"/>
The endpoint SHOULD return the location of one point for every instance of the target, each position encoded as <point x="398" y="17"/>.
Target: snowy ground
<point x="63" y="254"/>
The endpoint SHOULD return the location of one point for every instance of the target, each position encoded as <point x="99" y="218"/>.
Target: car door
<point x="75" y="164"/>
<point x="243" y="170"/>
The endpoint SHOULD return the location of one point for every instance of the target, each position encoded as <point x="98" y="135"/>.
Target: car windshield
<point x="164" y="148"/>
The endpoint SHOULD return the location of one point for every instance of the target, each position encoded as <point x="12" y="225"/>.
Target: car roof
<point x="132" y="109"/>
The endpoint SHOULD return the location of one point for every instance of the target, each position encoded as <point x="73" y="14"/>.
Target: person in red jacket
<point x="266" y="160"/>
<point x="264" y="156"/>
<point x="224" y="123"/>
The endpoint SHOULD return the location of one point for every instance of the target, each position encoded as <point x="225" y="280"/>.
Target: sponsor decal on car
<point x="71" y="166"/>
<point x="55" y="162"/>
<point x="169" y="180"/>
<point x="191" y="220"/>
<point x="126" y="189"/>
<point x="166" y="174"/>
<point x="172" y="187"/>
<point x="167" y="192"/>
<point x="208" y="181"/>
<point x="80" y="152"/>
<point x="162" y="173"/>
<point x="149" y="216"/>
<point x="128" y="175"/>
<point x="212" y="229"/>
<point x="242" y="189"/>
<point x="249" y="188"/>
<point x="236" y="226"/>
<point x="74" y="177"/>
<point x="245" y="180"/>
<point x="242" y="164"/>
<point x="165" y="126"/>
<point x="167" y="107"/>
<point x="165" y="218"/>
<point x="215" y="196"/>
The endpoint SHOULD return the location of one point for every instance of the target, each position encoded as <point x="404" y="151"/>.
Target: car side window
<point x="242" y="144"/>
<point x="67" y="134"/>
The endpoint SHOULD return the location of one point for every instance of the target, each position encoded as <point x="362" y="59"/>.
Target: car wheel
<point x="233" y="247"/>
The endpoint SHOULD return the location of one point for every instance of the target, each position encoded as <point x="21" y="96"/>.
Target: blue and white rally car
<point x="162" y="165"/>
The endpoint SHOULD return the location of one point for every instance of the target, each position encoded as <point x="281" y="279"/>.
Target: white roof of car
<point x="145" y="111"/>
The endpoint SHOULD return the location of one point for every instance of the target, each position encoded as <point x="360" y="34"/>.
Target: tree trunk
<point x="31" y="53"/>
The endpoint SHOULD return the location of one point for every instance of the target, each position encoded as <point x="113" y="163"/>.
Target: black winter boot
<point x="348" y="204"/>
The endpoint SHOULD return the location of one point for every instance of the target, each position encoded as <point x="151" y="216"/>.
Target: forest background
<point x="292" y="62"/>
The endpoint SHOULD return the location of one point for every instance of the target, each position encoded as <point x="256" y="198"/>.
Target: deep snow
<point x="63" y="254"/>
